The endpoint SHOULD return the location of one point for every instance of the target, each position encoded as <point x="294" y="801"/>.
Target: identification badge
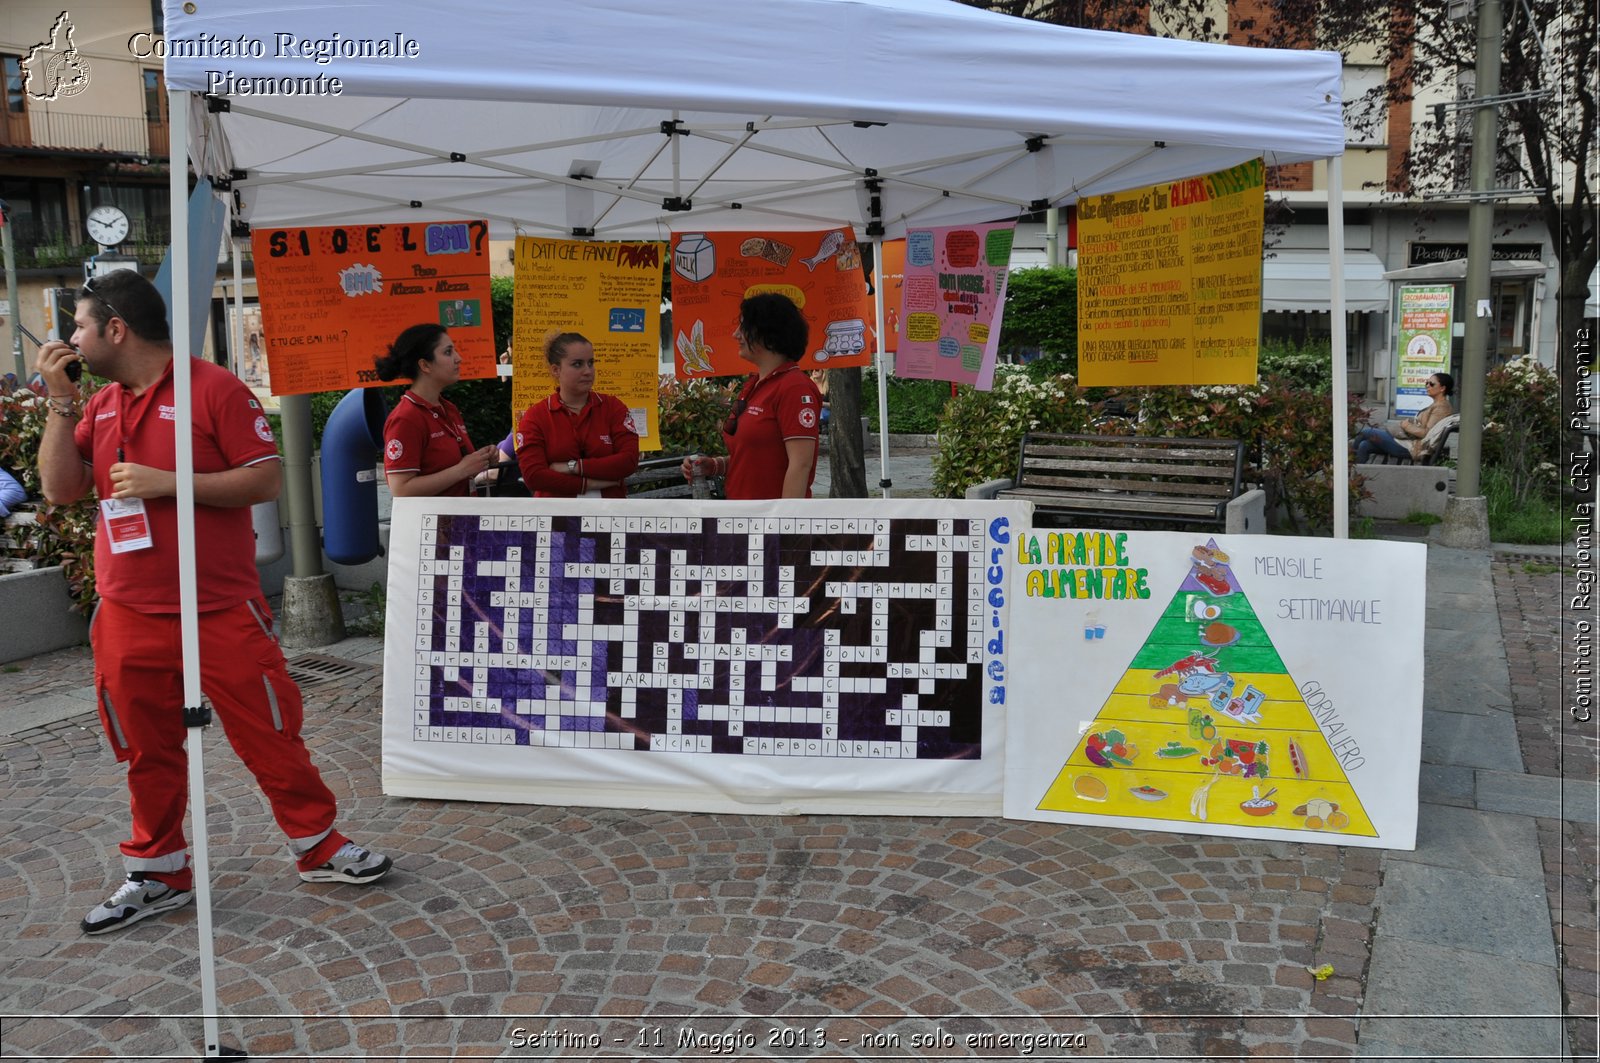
<point x="127" y="524"/>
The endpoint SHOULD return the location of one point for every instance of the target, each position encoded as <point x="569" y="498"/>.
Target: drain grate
<point x="315" y="669"/>
<point x="1538" y="557"/>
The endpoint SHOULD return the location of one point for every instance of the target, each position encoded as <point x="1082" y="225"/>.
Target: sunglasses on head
<point x="89" y="289"/>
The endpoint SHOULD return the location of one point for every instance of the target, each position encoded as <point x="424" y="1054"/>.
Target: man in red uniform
<point x="122" y="445"/>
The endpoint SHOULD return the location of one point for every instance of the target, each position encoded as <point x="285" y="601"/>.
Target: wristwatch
<point x="572" y="467"/>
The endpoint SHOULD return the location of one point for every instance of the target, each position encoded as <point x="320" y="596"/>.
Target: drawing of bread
<point x="771" y="250"/>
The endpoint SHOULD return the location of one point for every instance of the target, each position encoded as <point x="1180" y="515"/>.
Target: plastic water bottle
<point x="698" y="487"/>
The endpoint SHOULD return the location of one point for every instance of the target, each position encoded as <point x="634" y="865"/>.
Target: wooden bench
<point x="1116" y="481"/>
<point x="1436" y="445"/>
<point x="658" y="476"/>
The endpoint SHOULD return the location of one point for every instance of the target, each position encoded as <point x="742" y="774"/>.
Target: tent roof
<point x="550" y="118"/>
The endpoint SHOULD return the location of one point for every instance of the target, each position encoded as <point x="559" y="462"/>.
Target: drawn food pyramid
<point x="1207" y="726"/>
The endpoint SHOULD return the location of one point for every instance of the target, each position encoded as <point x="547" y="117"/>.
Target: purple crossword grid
<point x="780" y="636"/>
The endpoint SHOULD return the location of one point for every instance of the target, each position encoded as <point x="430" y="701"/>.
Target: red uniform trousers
<point x="139" y="684"/>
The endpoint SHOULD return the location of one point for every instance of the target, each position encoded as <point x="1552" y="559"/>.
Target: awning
<point x="1455" y="269"/>
<point x="1299" y="281"/>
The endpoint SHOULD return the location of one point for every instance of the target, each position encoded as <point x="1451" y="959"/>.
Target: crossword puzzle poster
<point x="1244" y="685"/>
<point x="775" y="657"/>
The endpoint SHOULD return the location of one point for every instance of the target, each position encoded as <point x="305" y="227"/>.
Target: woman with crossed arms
<point x="578" y="443"/>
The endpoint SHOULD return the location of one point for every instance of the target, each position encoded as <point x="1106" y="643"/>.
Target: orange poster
<point x="334" y="298"/>
<point x="821" y="271"/>
<point x="893" y="271"/>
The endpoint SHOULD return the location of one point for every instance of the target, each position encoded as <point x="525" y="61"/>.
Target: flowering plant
<point x="980" y="431"/>
<point x="58" y="535"/>
<point x="1522" y="430"/>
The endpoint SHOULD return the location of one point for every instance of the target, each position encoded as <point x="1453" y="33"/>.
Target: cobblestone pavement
<point x="1539" y="623"/>
<point x="543" y="932"/>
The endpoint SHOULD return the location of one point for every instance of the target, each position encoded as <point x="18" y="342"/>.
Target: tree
<point x="1547" y="137"/>
<point x="1042" y="314"/>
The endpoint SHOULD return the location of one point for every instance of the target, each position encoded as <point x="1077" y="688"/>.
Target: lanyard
<point x="126" y="398"/>
<point x="442" y="415"/>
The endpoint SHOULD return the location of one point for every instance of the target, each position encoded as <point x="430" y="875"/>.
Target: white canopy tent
<point x="634" y="118"/>
<point x="552" y="118"/>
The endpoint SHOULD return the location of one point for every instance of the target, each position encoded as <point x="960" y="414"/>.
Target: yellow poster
<point x="609" y="292"/>
<point x="1169" y="281"/>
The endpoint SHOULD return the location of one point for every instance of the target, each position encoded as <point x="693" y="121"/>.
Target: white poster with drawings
<point x="1246" y="686"/>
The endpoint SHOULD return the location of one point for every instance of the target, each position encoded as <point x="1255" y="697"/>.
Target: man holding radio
<point x="121" y="444"/>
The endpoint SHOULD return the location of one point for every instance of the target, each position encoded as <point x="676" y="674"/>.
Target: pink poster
<point x="954" y="293"/>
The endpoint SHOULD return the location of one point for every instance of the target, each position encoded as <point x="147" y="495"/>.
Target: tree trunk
<point x="847" y="467"/>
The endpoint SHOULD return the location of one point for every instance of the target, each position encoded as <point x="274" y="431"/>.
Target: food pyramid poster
<point x="1233" y="685"/>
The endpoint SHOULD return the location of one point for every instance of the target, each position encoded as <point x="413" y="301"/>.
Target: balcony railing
<point x="116" y="134"/>
<point x="41" y="247"/>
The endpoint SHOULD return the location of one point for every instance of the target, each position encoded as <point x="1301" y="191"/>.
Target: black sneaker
<point x="134" y="900"/>
<point x="350" y="864"/>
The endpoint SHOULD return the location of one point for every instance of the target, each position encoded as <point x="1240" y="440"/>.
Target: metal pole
<point x="1480" y="252"/>
<point x="1337" y="340"/>
<point x="195" y="713"/>
<point x="295" y="412"/>
<point x="881" y="357"/>
<point x="10" y="252"/>
<point x="236" y="332"/>
<point x="1466" y="513"/>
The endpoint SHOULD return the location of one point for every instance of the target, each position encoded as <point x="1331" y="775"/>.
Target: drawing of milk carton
<point x="695" y="258"/>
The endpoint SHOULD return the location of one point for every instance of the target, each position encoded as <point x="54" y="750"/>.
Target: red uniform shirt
<point x="230" y="432"/>
<point x="786" y="405"/>
<point x="426" y="439"/>
<point x="600" y="438"/>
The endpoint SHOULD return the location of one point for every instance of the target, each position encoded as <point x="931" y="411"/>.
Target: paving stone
<point x="1471" y="740"/>
<point x="1471" y="840"/>
<point x="523" y="910"/>
<point x="1469" y="911"/>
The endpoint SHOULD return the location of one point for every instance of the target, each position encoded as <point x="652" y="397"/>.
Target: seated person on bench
<point x="1371" y="441"/>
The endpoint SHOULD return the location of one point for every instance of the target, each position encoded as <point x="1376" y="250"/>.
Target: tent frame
<point x="554" y="81"/>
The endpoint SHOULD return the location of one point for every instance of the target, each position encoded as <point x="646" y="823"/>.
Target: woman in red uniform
<point x="772" y="433"/>
<point x="578" y="442"/>
<point x="426" y="450"/>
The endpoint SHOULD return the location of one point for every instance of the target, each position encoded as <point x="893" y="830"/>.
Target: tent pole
<point x="1341" y="385"/>
<point x="880" y="356"/>
<point x="195" y="714"/>
<point x="236" y="333"/>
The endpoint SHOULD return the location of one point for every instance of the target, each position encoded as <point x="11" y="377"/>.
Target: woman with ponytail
<point x="426" y="450"/>
<point x="577" y="443"/>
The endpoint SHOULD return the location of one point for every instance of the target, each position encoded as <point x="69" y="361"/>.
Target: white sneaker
<point x="350" y="864"/>
<point x="134" y="900"/>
